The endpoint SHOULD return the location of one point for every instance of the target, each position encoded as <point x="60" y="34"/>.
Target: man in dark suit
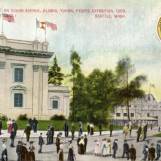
<point x="41" y="142"/>
<point x="57" y="143"/>
<point x="125" y="149"/>
<point x="115" y="148"/>
<point x="139" y="133"/>
<point x="145" y="131"/>
<point x="66" y="129"/>
<point x="27" y="131"/>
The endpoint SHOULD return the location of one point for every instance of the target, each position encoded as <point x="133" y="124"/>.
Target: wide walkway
<point x="49" y="151"/>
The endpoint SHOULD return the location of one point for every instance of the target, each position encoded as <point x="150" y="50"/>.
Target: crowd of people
<point x="106" y="148"/>
<point x="24" y="153"/>
<point x="33" y="123"/>
<point x="141" y="131"/>
<point x="103" y="147"/>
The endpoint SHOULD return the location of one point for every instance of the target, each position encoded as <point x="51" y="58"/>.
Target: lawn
<point x="58" y="125"/>
<point x="158" y="135"/>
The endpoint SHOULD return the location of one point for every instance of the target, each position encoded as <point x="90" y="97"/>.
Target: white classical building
<point x="24" y="85"/>
<point x="145" y="109"/>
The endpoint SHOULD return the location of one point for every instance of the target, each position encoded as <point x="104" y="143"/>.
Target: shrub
<point x="3" y="118"/>
<point x="58" y="117"/>
<point x="22" y="117"/>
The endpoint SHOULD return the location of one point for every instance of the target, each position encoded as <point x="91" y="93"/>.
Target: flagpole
<point x="2" y="22"/>
<point x="45" y="33"/>
<point x="36" y="30"/>
<point x="2" y="25"/>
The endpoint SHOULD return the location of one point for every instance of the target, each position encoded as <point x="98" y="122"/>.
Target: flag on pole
<point x="51" y="25"/>
<point x="8" y="17"/>
<point x="40" y="24"/>
<point x="44" y="24"/>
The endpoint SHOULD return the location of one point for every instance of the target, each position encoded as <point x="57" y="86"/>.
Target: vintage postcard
<point x="80" y="80"/>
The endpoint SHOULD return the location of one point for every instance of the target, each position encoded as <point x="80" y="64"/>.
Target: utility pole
<point x="127" y="84"/>
<point x="129" y="70"/>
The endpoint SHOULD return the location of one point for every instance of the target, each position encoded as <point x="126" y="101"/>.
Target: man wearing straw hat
<point x="4" y="156"/>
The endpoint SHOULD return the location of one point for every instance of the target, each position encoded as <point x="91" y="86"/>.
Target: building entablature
<point x="61" y="89"/>
<point x="27" y="53"/>
<point x="23" y="44"/>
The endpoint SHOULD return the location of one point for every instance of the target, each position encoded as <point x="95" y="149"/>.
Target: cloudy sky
<point x="101" y="42"/>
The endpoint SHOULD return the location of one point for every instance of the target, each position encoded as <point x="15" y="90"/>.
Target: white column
<point x="2" y="88"/>
<point x="45" y="91"/>
<point x="66" y="106"/>
<point x="35" y="91"/>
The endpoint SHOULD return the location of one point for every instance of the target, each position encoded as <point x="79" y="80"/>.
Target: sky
<point x="101" y="42"/>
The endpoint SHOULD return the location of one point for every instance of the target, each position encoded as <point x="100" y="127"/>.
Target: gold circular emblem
<point x="159" y="28"/>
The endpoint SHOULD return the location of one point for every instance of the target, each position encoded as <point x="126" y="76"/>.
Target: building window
<point x="132" y="114"/>
<point x="18" y="100"/>
<point x="148" y="115"/>
<point x="18" y="74"/>
<point x="118" y="114"/>
<point x="125" y="114"/>
<point x="55" y="104"/>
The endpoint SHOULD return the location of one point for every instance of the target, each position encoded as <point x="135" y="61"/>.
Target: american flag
<point x="41" y="24"/>
<point x="51" y="25"/>
<point x="8" y="17"/>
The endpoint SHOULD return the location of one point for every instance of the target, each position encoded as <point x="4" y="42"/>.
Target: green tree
<point x="55" y="76"/>
<point x="75" y="61"/>
<point x="78" y="88"/>
<point x="128" y="88"/>
<point x="100" y="92"/>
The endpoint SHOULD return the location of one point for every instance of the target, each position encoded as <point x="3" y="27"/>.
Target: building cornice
<point x="58" y="89"/>
<point x="27" y="53"/>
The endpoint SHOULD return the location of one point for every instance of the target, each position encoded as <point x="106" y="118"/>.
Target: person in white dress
<point x="97" y="147"/>
<point x="109" y="147"/>
<point x="104" y="148"/>
<point x="125" y="131"/>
